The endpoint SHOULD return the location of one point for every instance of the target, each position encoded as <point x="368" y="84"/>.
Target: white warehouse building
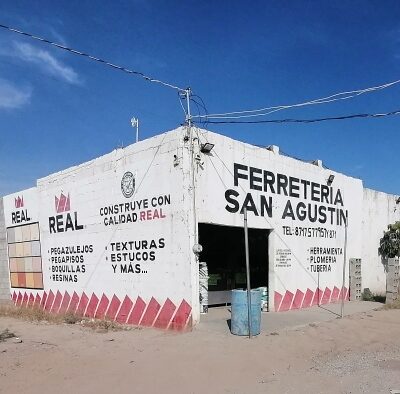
<point x="119" y="237"/>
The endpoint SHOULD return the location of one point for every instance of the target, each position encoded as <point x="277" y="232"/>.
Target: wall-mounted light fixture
<point x="330" y="179"/>
<point x="206" y="148"/>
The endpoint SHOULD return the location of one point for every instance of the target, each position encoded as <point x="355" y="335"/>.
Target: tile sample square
<point x="36" y="264"/>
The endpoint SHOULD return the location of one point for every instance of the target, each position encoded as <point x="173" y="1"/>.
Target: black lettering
<point x="294" y="187"/>
<point x="288" y="211"/>
<point x="305" y="184"/>
<point x="77" y="226"/>
<point x="322" y="214"/>
<point x="248" y="203"/>
<point x="254" y="178"/>
<point x="269" y="180"/>
<point x="338" y="198"/>
<point x="68" y="223"/>
<point x="324" y="193"/>
<point x="52" y="224"/>
<point x="237" y="175"/>
<point x="59" y="224"/>
<point x="230" y="200"/>
<point x="301" y="211"/>
<point x="266" y="206"/>
<point x="282" y="184"/>
<point x="315" y="191"/>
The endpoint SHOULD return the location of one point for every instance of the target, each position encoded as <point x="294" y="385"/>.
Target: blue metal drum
<point x="239" y="313"/>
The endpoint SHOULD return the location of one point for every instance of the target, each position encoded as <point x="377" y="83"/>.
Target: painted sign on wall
<point x="306" y="211"/>
<point x="107" y="231"/>
<point x="23" y="240"/>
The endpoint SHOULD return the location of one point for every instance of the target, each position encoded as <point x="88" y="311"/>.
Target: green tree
<point x="390" y="242"/>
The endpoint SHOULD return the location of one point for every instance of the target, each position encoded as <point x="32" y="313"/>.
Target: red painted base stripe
<point x="277" y="301"/>
<point x="335" y="294"/>
<point x="43" y="301"/>
<point x="25" y="300"/>
<point x="298" y="299"/>
<point x="19" y="299"/>
<point x="286" y="303"/>
<point x="64" y="303"/>
<point x="31" y="301"/>
<point x="165" y="314"/>
<point x="137" y="312"/>
<point x="49" y="301"/>
<point x="308" y="297"/>
<point x="181" y="317"/>
<point x="80" y="309"/>
<point x="151" y="313"/>
<point x="123" y="313"/>
<point x="326" y="297"/>
<point x="37" y="301"/>
<point x="57" y="302"/>
<point x="73" y="304"/>
<point x="101" y="309"/>
<point x="113" y="308"/>
<point x="91" y="308"/>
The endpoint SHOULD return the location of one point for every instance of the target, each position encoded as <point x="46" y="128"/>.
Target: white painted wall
<point x="379" y="210"/>
<point x="216" y="176"/>
<point x="161" y="167"/>
<point x="81" y="242"/>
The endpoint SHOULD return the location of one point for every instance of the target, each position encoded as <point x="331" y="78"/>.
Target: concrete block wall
<point x="379" y="210"/>
<point x="4" y="272"/>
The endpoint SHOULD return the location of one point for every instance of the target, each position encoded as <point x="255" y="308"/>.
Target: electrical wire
<point x="353" y="116"/>
<point x="199" y="105"/>
<point x="329" y="99"/>
<point x="203" y="105"/>
<point x="80" y="53"/>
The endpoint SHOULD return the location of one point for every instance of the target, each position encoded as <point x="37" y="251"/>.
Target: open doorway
<point x="224" y="253"/>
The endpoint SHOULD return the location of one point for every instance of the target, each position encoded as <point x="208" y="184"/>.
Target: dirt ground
<point x="358" y="354"/>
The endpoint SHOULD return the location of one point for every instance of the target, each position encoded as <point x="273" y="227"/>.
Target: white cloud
<point x="45" y="60"/>
<point x="12" y="96"/>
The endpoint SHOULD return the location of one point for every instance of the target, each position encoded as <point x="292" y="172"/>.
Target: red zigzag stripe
<point x="288" y="301"/>
<point x="153" y="314"/>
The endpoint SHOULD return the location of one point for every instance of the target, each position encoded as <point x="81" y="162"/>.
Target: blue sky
<point x="58" y="110"/>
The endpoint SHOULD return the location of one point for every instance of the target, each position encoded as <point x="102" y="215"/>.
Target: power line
<point x="80" y="53"/>
<point x="268" y="110"/>
<point x="354" y="116"/>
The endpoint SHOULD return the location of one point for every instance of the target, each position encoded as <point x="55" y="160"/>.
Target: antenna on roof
<point x="135" y="123"/>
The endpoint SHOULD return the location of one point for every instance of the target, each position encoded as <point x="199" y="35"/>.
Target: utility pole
<point x="344" y="269"/>
<point x="188" y="93"/>
<point x="246" y="245"/>
<point x="189" y="137"/>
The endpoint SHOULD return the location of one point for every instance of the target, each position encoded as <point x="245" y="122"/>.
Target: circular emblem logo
<point x="128" y="184"/>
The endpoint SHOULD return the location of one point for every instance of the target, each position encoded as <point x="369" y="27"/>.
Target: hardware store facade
<point x="118" y="237"/>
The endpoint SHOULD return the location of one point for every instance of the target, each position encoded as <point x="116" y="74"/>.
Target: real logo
<point x="20" y="216"/>
<point x="65" y="220"/>
<point x="128" y="184"/>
